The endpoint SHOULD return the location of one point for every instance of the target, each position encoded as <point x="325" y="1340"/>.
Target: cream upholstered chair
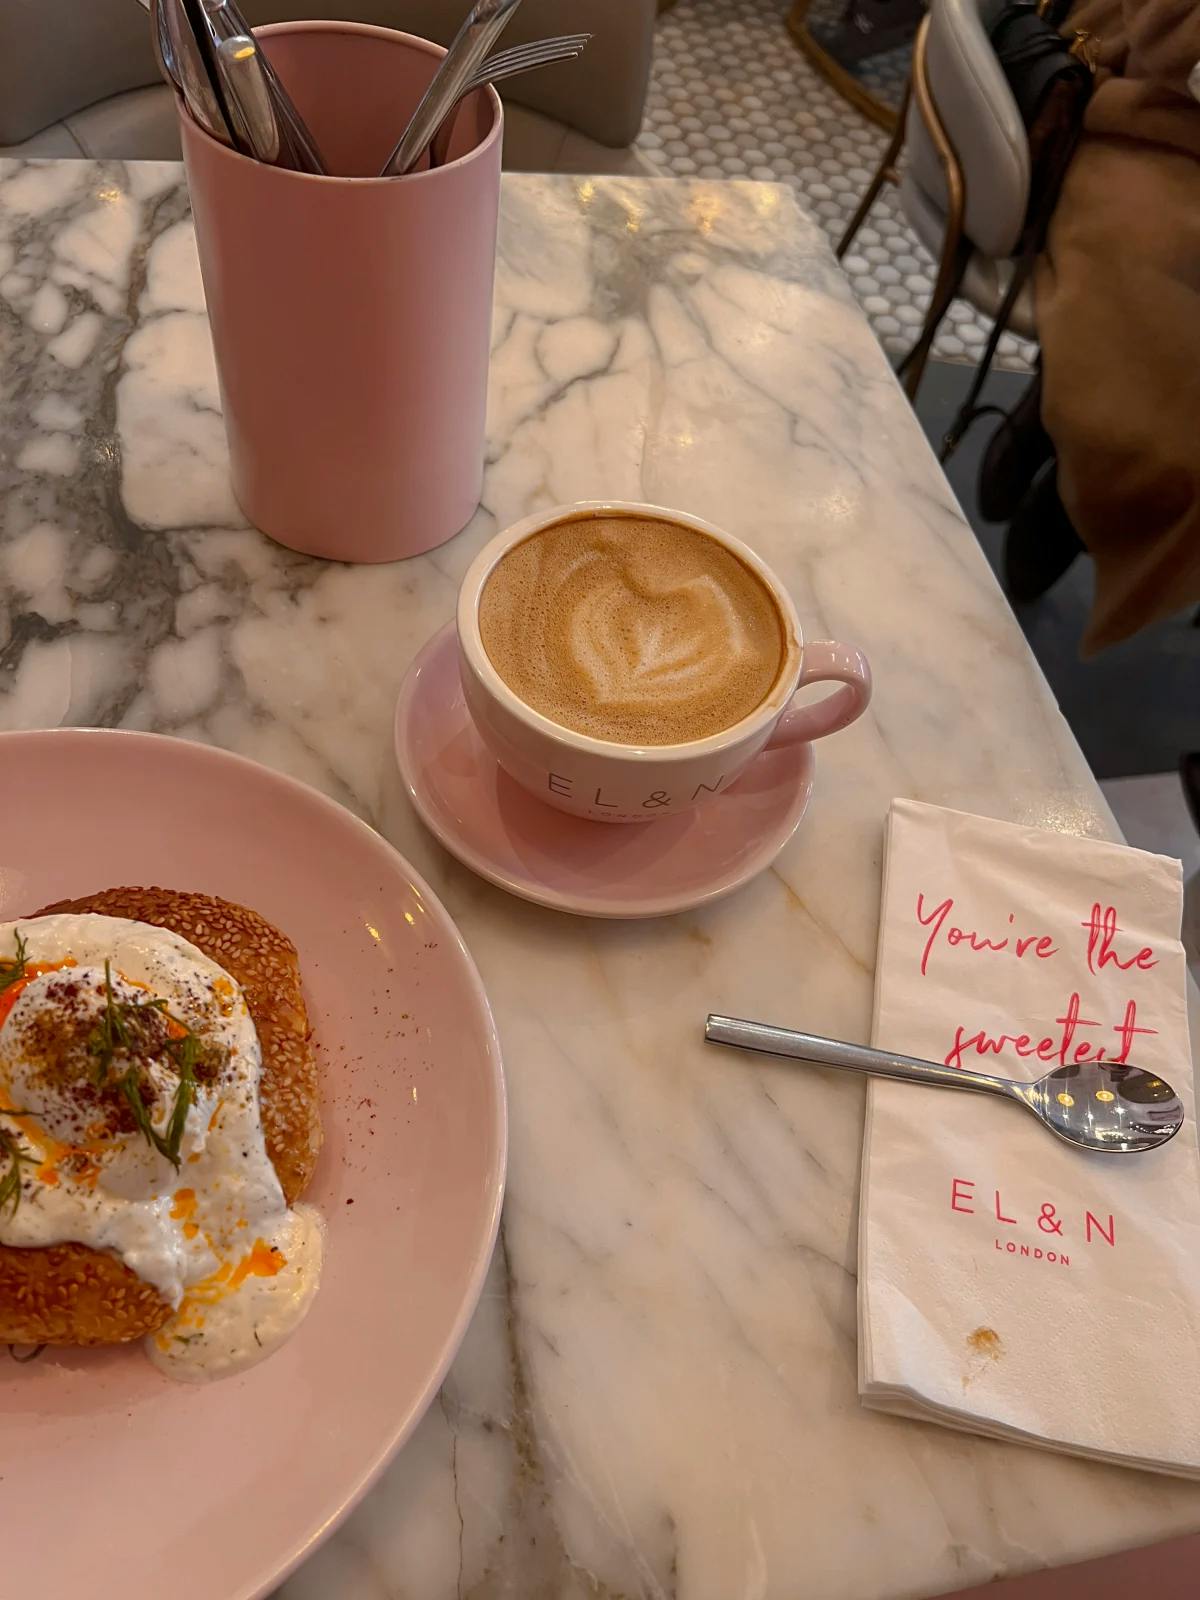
<point x="77" y="77"/>
<point x="964" y="186"/>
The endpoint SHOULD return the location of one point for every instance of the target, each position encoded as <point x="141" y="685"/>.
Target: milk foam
<point x="632" y="630"/>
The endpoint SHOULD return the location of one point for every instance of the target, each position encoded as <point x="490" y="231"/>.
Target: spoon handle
<point x="849" y="1057"/>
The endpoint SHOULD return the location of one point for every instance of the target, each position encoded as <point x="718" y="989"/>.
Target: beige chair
<point x="965" y="182"/>
<point x="77" y="77"/>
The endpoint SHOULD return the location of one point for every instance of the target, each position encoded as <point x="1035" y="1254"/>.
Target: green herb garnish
<point x="16" y="1155"/>
<point x="117" y="1027"/>
<point x="13" y="969"/>
<point x="184" y="1052"/>
<point x="13" y="1153"/>
<point x="122" y="1029"/>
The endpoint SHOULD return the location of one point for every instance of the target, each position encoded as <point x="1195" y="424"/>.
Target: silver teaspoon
<point x="1093" y="1104"/>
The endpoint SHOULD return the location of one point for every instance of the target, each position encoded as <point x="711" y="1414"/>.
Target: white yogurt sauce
<point x="216" y="1332"/>
<point x="203" y="1232"/>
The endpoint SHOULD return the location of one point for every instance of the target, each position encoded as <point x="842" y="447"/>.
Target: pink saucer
<point x="593" y="869"/>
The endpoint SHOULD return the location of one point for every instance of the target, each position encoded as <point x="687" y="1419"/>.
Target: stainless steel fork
<point x="508" y="63"/>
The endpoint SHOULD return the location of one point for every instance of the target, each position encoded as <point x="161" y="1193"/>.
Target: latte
<point x="632" y="630"/>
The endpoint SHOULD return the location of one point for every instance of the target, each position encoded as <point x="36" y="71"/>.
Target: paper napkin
<point x="1008" y="1284"/>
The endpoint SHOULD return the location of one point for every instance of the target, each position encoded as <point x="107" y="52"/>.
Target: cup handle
<point x="826" y="661"/>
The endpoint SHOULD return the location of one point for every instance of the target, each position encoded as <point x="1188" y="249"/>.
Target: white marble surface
<point x="657" y="1397"/>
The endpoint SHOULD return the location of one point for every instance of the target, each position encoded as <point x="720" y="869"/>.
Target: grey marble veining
<point x="657" y="1396"/>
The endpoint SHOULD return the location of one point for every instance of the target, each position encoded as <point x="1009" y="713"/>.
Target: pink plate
<point x="594" y="869"/>
<point x="120" y="1484"/>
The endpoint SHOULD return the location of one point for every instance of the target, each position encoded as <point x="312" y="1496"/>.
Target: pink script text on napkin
<point x="1102" y="928"/>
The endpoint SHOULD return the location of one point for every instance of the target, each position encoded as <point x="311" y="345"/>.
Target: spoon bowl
<point x="1103" y="1107"/>
<point x="1094" y="1105"/>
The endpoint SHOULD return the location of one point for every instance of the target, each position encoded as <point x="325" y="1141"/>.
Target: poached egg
<point x="129" y="1105"/>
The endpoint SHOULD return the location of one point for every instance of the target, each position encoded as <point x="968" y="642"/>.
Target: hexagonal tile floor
<point x="733" y="97"/>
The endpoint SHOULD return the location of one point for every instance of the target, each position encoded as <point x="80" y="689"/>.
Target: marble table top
<point x="657" y="1396"/>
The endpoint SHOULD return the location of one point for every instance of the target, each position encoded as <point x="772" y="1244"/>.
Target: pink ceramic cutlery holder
<point x="351" y="316"/>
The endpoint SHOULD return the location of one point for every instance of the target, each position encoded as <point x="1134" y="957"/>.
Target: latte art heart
<point x="654" y="649"/>
<point x="632" y="630"/>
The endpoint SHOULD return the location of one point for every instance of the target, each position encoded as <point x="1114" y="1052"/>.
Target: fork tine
<point x="525" y="58"/>
<point x="535" y="47"/>
<point x="516" y="68"/>
<point x="540" y="44"/>
<point x="536" y="50"/>
<point x="535" y="57"/>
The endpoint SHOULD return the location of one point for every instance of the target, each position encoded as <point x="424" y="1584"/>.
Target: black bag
<point x="1051" y="80"/>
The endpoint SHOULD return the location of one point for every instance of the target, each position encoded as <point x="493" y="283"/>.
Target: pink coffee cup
<point x="608" y="782"/>
<point x="351" y="315"/>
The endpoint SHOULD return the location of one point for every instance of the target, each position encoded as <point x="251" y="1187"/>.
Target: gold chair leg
<point x="950" y="264"/>
<point x="885" y="173"/>
<point x="911" y="368"/>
